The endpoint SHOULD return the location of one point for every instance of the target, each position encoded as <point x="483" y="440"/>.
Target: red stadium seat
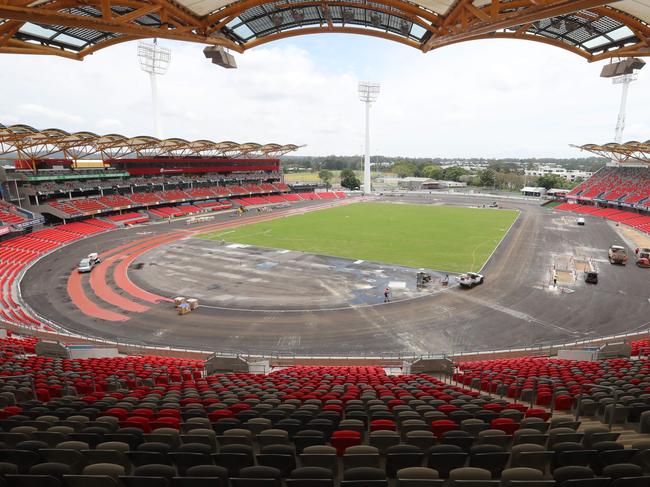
<point x="344" y="438"/>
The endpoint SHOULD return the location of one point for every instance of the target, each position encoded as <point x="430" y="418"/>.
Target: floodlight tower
<point x="154" y="60"/>
<point x="368" y="93"/>
<point x="622" y="72"/>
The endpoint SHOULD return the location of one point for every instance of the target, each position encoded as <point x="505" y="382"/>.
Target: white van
<point x="581" y="221"/>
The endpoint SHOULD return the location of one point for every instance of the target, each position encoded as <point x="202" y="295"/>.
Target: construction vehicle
<point x="617" y="255"/>
<point x="643" y="258"/>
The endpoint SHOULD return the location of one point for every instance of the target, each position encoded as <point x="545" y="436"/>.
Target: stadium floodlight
<point x="220" y="57"/>
<point x="622" y="72"/>
<point x="154" y="60"/>
<point x="368" y="93"/>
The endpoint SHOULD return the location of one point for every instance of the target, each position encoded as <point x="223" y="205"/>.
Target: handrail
<point x="70" y="372"/>
<point x="533" y="397"/>
<point x="614" y="404"/>
<point x="116" y="379"/>
<point x="517" y="378"/>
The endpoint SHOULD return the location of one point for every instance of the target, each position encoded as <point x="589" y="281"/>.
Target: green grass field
<point x="435" y="237"/>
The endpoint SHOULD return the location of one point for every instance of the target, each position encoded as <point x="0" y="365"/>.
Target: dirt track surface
<point x="517" y="305"/>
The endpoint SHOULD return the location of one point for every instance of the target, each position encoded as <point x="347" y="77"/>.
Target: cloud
<point x="492" y="98"/>
<point x="110" y="125"/>
<point x="40" y="112"/>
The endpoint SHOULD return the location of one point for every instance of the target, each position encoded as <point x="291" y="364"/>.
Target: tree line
<point x="338" y="163"/>
<point x="501" y="175"/>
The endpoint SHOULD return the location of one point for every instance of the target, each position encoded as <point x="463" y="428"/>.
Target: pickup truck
<point x="470" y="279"/>
<point x="617" y="255"/>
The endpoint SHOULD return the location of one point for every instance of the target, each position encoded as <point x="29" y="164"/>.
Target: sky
<point x="489" y="98"/>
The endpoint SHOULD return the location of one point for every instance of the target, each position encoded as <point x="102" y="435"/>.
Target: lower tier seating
<point x="9" y="214"/>
<point x="633" y="219"/>
<point x="153" y="421"/>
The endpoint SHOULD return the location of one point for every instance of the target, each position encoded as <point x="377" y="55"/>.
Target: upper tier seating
<point x="145" y="198"/>
<point x="235" y="189"/>
<point x="88" y="205"/>
<point x="268" y="187"/>
<point x="203" y="192"/>
<point x="616" y="184"/>
<point x="109" y="203"/>
<point x="153" y="421"/>
<point x="64" y="207"/>
<point x="115" y="201"/>
<point x="253" y="188"/>
<point x="173" y="195"/>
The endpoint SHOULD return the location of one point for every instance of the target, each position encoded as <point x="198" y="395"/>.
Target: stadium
<point x="176" y="313"/>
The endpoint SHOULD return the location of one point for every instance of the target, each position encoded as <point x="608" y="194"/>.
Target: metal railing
<point x="67" y="374"/>
<point x="612" y="416"/>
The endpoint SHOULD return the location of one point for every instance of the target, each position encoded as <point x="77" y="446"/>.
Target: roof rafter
<point x="57" y="14"/>
<point x="502" y="16"/>
<point x="77" y="28"/>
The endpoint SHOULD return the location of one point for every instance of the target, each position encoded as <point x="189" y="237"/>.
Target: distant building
<point x="533" y="191"/>
<point x="435" y="184"/>
<point x="411" y="183"/>
<point x="569" y="175"/>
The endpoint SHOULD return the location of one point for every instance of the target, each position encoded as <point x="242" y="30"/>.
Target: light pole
<point x="154" y="60"/>
<point x="624" y="80"/>
<point x="622" y="72"/>
<point x="368" y="93"/>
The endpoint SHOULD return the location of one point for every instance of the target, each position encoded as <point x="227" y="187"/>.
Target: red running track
<point x="85" y="305"/>
<point x="105" y="293"/>
<point x="125" y="254"/>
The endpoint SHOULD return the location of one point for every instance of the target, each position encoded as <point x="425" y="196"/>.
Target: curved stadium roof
<point x="632" y="151"/>
<point x="75" y="28"/>
<point x="33" y="143"/>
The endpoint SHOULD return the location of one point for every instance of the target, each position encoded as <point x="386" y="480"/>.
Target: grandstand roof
<point x="594" y="29"/>
<point x="32" y="143"/>
<point x="632" y="151"/>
